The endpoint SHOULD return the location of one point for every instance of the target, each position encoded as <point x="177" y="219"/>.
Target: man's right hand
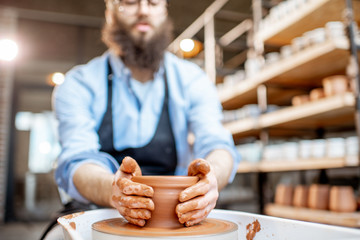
<point x="131" y="199"/>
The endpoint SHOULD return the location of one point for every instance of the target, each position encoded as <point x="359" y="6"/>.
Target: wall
<point x="70" y="35"/>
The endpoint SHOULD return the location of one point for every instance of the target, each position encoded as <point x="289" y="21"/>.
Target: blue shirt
<point x="80" y="103"/>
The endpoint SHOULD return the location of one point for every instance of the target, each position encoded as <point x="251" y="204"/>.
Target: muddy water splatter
<point x="73" y="225"/>
<point x="252" y="229"/>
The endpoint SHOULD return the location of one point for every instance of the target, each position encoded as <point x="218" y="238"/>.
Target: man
<point x="134" y="106"/>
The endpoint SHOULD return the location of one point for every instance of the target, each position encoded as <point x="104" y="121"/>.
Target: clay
<point x="300" y="99"/>
<point x="73" y="215"/>
<point x="342" y="199"/>
<point x="301" y="194"/>
<point x="166" y="196"/>
<point x="73" y="225"/>
<point x="319" y="196"/>
<point x="284" y="194"/>
<point x="120" y="227"/>
<point x="316" y="94"/>
<point x="334" y="85"/>
<point x="252" y="229"/>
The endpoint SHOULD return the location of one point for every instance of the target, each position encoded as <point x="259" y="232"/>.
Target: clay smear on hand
<point x="252" y="229"/>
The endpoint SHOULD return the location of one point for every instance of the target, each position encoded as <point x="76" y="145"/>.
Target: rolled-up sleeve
<point x="73" y="102"/>
<point x="65" y="171"/>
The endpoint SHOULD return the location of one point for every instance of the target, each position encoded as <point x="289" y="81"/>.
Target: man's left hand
<point x="198" y="200"/>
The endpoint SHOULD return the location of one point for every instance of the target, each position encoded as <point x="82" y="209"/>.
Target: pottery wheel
<point x="119" y="228"/>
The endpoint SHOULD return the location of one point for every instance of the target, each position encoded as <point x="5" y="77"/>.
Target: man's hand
<point x="198" y="200"/>
<point x="131" y="199"/>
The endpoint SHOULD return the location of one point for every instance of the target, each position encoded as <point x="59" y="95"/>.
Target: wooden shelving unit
<point x="312" y="15"/>
<point x="303" y="70"/>
<point x="295" y="75"/>
<point x="332" y="112"/>
<point x="312" y="215"/>
<point x="295" y="165"/>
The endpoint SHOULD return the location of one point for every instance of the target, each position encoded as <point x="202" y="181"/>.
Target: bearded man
<point x="129" y="112"/>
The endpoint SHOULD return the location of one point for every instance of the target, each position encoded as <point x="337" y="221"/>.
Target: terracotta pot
<point x="342" y="199"/>
<point x="166" y="197"/>
<point x="316" y="94"/>
<point x="319" y="196"/>
<point x="284" y="194"/>
<point x="301" y="194"/>
<point x="334" y="85"/>
<point x="300" y="99"/>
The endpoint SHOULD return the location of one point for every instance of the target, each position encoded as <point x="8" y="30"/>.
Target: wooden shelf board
<point x="308" y="67"/>
<point x="243" y="126"/>
<point x="321" y="113"/>
<point x="331" y="112"/>
<point x="296" y="165"/>
<point x="304" y="69"/>
<point x="313" y="215"/>
<point x="312" y="15"/>
<point x="247" y="167"/>
<point x="239" y="95"/>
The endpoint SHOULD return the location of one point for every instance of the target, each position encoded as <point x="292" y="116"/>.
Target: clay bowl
<point x="342" y="199"/>
<point x="166" y="197"/>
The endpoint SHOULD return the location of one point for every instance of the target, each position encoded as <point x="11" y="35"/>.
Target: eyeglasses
<point x="131" y="7"/>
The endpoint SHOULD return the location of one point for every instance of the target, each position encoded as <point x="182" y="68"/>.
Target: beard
<point x="140" y="52"/>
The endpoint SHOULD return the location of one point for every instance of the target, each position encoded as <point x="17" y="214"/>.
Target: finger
<point x="198" y="166"/>
<point x="200" y="188"/>
<point x="129" y="187"/>
<point x="138" y="222"/>
<point x="129" y="165"/>
<point x="193" y="222"/>
<point x="135" y="213"/>
<point x="194" y="204"/>
<point x="137" y="202"/>
<point x="197" y="215"/>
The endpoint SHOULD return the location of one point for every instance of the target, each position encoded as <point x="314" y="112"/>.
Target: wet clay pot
<point x="166" y="197"/>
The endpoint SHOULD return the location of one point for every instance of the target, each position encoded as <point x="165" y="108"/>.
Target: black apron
<point x="158" y="157"/>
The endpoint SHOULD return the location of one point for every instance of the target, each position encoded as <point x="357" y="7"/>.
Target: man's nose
<point x="144" y="7"/>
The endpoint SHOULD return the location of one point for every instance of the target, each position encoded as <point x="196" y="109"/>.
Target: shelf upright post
<point x="258" y="50"/>
<point x="209" y="42"/>
<point x="264" y="137"/>
<point x="353" y="68"/>
<point x="257" y="16"/>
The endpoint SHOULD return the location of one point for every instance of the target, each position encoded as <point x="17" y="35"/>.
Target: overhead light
<point x="190" y="48"/>
<point x="56" y="78"/>
<point x="187" y="45"/>
<point x="8" y="49"/>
